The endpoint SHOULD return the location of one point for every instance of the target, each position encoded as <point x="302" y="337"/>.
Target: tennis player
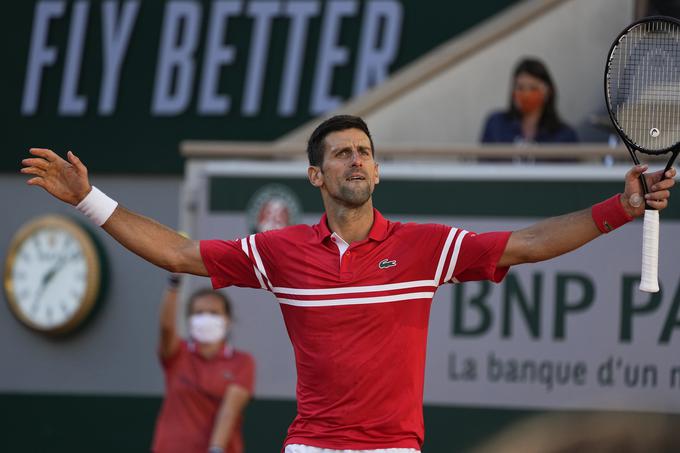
<point x="355" y="289"/>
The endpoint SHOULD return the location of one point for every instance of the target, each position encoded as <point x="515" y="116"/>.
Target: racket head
<point x="642" y="84"/>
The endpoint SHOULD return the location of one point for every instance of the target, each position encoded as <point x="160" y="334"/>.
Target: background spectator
<point x="208" y="383"/>
<point x="531" y="115"/>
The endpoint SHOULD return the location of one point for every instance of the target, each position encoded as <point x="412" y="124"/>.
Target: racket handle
<point x="649" y="281"/>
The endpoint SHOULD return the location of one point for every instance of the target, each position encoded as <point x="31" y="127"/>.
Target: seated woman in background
<point x="208" y="383"/>
<point x="531" y="116"/>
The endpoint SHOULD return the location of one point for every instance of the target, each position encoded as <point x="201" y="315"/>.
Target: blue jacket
<point x="501" y="128"/>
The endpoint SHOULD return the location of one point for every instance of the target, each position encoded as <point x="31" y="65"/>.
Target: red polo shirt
<point x="194" y="389"/>
<point x="358" y="325"/>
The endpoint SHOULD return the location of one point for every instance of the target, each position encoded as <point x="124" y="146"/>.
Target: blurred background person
<point x="208" y="383"/>
<point x="531" y="116"/>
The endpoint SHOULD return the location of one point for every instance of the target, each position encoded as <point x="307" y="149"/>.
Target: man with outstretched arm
<point x="355" y="290"/>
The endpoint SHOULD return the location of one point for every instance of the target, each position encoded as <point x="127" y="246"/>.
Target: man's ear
<point x="315" y="175"/>
<point x="376" y="177"/>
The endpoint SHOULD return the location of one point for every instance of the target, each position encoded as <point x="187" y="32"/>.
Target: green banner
<point x="121" y="82"/>
<point x="64" y="423"/>
<point x="426" y="197"/>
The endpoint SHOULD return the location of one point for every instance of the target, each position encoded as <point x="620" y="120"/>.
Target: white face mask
<point x="207" y="327"/>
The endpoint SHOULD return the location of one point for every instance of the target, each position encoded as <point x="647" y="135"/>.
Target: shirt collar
<point x="378" y="230"/>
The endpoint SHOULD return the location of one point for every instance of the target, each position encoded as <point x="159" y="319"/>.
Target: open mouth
<point x="356" y="178"/>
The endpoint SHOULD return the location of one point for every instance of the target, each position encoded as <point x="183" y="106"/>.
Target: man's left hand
<point x="633" y="199"/>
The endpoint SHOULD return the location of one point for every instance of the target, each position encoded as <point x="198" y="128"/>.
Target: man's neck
<point x="351" y="224"/>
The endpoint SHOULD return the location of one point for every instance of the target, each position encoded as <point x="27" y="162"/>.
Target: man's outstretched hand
<point x="659" y="185"/>
<point x="65" y="180"/>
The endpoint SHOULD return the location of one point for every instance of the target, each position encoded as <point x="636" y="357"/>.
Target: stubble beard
<point x="354" y="197"/>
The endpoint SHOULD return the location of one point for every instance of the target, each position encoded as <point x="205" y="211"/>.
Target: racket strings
<point x="643" y="85"/>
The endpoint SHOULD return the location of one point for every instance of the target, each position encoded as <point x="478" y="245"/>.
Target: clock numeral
<point x="37" y="246"/>
<point x="64" y="308"/>
<point x="52" y="238"/>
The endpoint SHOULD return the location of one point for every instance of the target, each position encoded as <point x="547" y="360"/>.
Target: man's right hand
<point x="156" y="243"/>
<point x="65" y="180"/>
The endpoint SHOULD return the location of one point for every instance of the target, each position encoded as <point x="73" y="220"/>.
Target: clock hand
<point x="60" y="265"/>
<point x="40" y="292"/>
<point x="49" y="275"/>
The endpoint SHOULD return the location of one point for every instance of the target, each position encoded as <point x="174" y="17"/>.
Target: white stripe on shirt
<point x="454" y="256"/>
<point x="442" y="257"/>
<point x="356" y="300"/>
<point x="354" y="289"/>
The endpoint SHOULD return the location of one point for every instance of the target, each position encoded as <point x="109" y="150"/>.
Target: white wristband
<point x="97" y="206"/>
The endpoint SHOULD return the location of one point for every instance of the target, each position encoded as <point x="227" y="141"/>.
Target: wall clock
<point x="54" y="274"/>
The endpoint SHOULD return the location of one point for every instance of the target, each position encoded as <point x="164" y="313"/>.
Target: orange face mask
<point x="528" y="101"/>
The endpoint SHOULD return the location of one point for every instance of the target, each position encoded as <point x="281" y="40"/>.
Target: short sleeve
<point x="478" y="255"/>
<point x="245" y="377"/>
<point x="230" y="263"/>
<point x="169" y="361"/>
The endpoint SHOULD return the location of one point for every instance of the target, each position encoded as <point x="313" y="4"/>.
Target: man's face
<point x="348" y="173"/>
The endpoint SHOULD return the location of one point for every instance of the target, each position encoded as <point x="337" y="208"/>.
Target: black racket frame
<point x="674" y="149"/>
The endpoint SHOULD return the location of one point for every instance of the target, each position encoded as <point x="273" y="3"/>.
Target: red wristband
<point x="609" y="214"/>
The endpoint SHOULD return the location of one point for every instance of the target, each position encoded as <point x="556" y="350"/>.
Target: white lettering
<point x="116" y="32"/>
<point x="176" y="58"/>
<point x="40" y="55"/>
<point x="330" y="55"/>
<point x="263" y="12"/>
<point x="70" y="103"/>
<point x="217" y="55"/>
<point x="374" y="60"/>
<point x="300" y="13"/>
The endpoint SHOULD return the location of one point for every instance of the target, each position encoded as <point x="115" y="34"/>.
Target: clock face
<point x="53" y="274"/>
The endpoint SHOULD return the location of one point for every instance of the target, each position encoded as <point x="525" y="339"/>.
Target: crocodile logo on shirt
<point x="384" y="264"/>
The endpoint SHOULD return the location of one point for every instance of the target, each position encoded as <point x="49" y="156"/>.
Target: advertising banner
<point x="122" y="82"/>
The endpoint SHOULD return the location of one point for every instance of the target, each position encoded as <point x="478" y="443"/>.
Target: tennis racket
<point x="642" y="88"/>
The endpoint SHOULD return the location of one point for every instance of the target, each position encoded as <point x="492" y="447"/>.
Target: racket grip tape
<point x="609" y="214"/>
<point x="649" y="280"/>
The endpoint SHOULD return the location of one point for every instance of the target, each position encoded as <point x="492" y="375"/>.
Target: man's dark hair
<point x="315" y="145"/>
<point x="209" y="292"/>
